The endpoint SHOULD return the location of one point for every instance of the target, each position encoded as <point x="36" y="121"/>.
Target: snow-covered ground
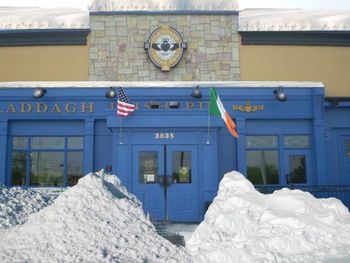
<point x="95" y="221"/>
<point x="243" y="225"/>
<point x="98" y="220"/>
<point x="16" y="204"/>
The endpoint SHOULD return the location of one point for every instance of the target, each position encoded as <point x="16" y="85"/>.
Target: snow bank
<point x="243" y="225"/>
<point x="16" y="204"/>
<point x="293" y="20"/>
<point x="95" y="221"/>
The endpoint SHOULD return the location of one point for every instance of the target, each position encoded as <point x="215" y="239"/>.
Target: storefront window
<point x="47" y="169"/>
<point x="75" y="167"/>
<point x="46" y="161"/>
<point x="18" y="168"/>
<point x="263" y="167"/>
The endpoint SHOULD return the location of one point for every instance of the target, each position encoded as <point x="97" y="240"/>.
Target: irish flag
<point x="216" y="108"/>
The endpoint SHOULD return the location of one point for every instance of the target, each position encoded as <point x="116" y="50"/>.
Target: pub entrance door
<point x="165" y="179"/>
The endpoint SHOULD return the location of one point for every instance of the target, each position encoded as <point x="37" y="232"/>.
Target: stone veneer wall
<point x="117" y="53"/>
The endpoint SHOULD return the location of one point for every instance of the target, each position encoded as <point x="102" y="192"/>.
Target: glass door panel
<point x="297" y="166"/>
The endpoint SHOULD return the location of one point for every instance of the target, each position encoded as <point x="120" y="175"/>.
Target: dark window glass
<point x="47" y="143"/>
<point x="46" y="169"/>
<point x="263" y="167"/>
<point x="182" y="167"/>
<point x="75" y="142"/>
<point x="74" y="167"/>
<point x="148" y="167"/>
<point x="297" y="169"/>
<point x="18" y="169"/>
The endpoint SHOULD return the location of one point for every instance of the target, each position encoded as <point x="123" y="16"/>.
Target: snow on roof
<point x="43" y="18"/>
<point x="97" y="220"/>
<point x="293" y="20"/>
<point x="161" y="84"/>
<point x="163" y="5"/>
<point x="244" y="225"/>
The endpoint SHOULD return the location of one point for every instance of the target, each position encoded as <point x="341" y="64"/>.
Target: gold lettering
<point x="71" y="107"/>
<point x="201" y="104"/>
<point x="56" y="108"/>
<point x="147" y="105"/>
<point x="41" y="108"/>
<point x="87" y="106"/>
<point x="189" y="105"/>
<point x="11" y="108"/>
<point x="26" y="107"/>
<point x="137" y="105"/>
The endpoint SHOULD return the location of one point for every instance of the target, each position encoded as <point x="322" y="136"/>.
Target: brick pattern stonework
<point x="117" y="48"/>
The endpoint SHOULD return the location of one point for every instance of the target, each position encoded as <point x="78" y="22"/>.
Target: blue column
<point x="89" y="131"/>
<point x="319" y="142"/>
<point x="241" y="149"/>
<point x="3" y="151"/>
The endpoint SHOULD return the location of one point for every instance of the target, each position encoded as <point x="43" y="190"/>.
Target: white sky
<point x="306" y="4"/>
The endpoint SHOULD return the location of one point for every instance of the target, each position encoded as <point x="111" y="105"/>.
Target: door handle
<point x="165" y="180"/>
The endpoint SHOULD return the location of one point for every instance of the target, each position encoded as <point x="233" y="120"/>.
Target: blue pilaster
<point x="3" y="150"/>
<point x="241" y="149"/>
<point x="89" y="129"/>
<point x="319" y="142"/>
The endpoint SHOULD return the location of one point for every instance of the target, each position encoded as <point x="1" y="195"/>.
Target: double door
<point x="165" y="179"/>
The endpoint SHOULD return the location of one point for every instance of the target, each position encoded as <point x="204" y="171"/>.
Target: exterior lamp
<point x="280" y="95"/>
<point x="111" y="93"/>
<point x="196" y="93"/>
<point x="39" y="93"/>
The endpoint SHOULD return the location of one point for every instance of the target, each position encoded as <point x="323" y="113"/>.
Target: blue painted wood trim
<point x="241" y="149"/>
<point x="319" y="142"/>
<point x="319" y="38"/>
<point x="3" y="150"/>
<point x="163" y="121"/>
<point x="43" y="37"/>
<point x="166" y="12"/>
<point x="88" y="159"/>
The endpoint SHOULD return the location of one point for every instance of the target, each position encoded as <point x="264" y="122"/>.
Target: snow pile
<point x="293" y="20"/>
<point x="243" y="225"/>
<point x="95" y="221"/>
<point x="163" y="5"/>
<point x="12" y="18"/>
<point x="16" y="204"/>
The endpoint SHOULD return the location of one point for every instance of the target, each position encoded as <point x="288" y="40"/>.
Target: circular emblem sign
<point x="165" y="47"/>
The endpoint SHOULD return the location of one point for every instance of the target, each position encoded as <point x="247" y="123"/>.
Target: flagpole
<point x="121" y="130"/>
<point x="208" y="135"/>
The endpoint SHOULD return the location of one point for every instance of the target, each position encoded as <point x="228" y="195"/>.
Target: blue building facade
<point x="165" y="152"/>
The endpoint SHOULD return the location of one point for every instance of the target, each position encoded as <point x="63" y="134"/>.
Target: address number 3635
<point x="164" y="135"/>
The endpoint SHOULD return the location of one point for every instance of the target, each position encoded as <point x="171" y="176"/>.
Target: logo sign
<point x="165" y="47"/>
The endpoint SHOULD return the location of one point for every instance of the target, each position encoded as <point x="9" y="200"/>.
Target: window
<point x="46" y="161"/>
<point x="265" y="155"/>
<point x="262" y="159"/>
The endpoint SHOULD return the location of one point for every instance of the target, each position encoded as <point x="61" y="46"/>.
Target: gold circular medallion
<point x="165" y="47"/>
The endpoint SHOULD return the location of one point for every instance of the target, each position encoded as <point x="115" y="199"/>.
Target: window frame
<point x="28" y="150"/>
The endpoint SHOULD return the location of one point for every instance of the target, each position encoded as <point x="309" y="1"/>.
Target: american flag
<point x="125" y="107"/>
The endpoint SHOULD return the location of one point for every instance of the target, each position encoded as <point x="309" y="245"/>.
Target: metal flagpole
<point x="120" y="130"/>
